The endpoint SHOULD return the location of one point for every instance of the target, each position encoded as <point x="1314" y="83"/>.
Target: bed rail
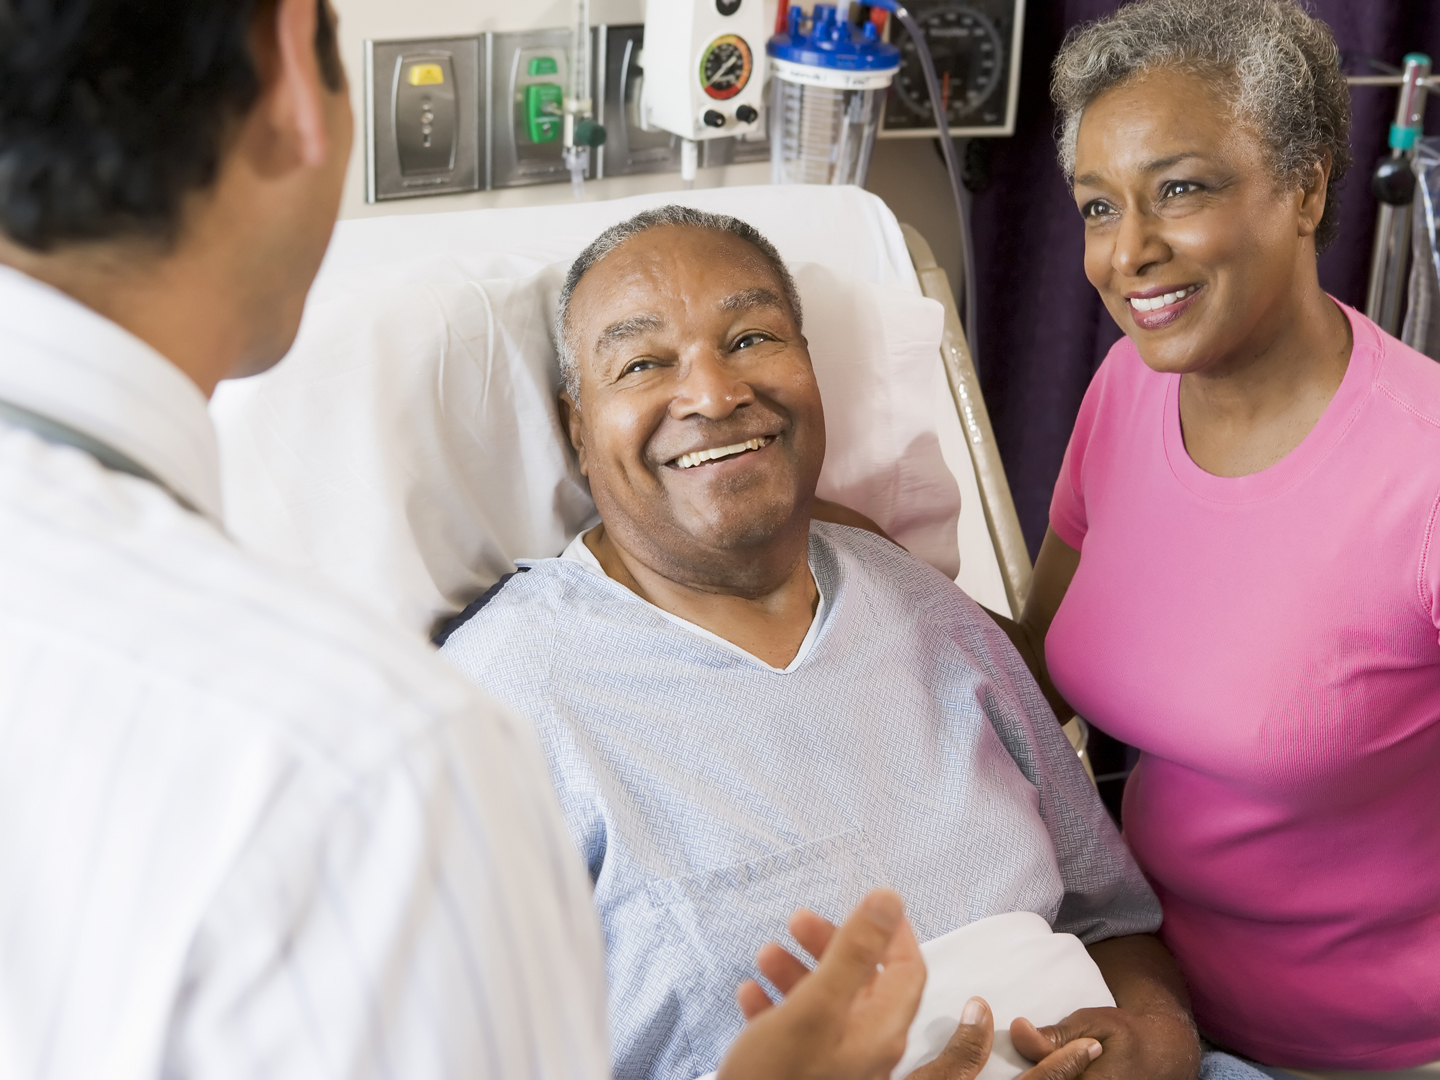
<point x="999" y="506"/>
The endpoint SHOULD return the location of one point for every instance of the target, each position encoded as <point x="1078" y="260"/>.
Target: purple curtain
<point x="1042" y="330"/>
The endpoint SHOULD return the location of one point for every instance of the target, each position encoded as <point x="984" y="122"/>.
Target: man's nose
<point x="709" y="388"/>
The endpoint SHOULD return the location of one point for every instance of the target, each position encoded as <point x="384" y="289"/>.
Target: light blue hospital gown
<point x="710" y="795"/>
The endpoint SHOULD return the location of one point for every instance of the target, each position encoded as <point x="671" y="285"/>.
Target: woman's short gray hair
<point x="1278" y="64"/>
<point x="644" y="221"/>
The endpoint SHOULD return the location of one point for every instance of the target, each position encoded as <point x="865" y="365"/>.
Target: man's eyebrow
<point x="753" y="298"/>
<point x="632" y="326"/>
<point x="1158" y="165"/>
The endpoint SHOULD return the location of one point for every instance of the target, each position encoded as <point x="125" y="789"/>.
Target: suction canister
<point x="828" y="83"/>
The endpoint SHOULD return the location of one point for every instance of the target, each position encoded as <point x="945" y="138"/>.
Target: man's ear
<point x="1312" y="196"/>
<point x="570" y="420"/>
<point x="293" y="91"/>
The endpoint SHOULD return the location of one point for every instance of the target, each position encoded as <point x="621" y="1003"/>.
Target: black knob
<point x="727" y="7"/>
<point x="1394" y="182"/>
<point x="746" y="114"/>
<point x="713" y="118"/>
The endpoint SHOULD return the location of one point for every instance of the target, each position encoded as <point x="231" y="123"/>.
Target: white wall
<point x="385" y="20"/>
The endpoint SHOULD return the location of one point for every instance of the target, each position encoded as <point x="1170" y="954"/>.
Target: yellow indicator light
<point x="426" y="75"/>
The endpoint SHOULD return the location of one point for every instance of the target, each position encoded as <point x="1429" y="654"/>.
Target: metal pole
<point x="1394" y="186"/>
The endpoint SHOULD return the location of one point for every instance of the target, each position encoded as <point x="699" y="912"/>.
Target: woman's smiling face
<point x="1195" y="247"/>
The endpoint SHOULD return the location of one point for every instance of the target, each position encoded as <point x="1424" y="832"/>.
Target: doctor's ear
<point x="570" y="421"/>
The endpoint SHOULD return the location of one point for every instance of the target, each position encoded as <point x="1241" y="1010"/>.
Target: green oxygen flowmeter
<point x="544" y="102"/>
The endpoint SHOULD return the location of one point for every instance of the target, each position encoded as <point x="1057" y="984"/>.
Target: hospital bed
<point x="409" y="449"/>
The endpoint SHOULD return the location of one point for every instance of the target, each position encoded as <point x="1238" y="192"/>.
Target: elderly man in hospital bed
<point x="744" y="709"/>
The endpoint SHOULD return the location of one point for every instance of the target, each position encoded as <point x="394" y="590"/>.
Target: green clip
<point x="543" y="65"/>
<point x="544" y="110"/>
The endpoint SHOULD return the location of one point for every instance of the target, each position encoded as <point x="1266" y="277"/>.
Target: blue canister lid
<point x="832" y="43"/>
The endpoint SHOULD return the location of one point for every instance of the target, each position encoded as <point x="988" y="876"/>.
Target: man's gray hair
<point x="1277" y="64"/>
<point x="644" y="221"/>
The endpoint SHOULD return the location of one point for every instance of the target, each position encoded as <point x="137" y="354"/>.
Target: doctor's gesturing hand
<point x="848" y="1018"/>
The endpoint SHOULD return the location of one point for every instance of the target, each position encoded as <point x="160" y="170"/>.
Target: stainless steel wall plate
<point x="424" y="117"/>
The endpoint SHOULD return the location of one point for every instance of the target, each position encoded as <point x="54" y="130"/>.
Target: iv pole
<point x="1394" y="187"/>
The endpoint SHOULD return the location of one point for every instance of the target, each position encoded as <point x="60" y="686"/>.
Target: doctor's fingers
<point x="782" y="968"/>
<point x="813" y="932"/>
<point x="753" y="999"/>
<point x="785" y="971"/>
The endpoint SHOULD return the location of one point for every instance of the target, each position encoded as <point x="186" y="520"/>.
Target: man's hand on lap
<point x="1150" y="1036"/>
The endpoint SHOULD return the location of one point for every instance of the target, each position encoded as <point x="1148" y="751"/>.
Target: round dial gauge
<point x="968" y="56"/>
<point x="725" y="67"/>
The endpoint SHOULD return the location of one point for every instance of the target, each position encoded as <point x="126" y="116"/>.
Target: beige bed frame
<point x="1000" y="516"/>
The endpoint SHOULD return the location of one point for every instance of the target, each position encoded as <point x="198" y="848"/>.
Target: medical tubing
<point x="952" y="166"/>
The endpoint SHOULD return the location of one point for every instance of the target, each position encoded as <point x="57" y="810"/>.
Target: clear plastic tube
<point x="580" y="62"/>
<point x="952" y="165"/>
<point x="578" y="105"/>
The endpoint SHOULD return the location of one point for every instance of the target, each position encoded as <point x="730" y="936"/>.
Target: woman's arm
<point x="1054" y="570"/>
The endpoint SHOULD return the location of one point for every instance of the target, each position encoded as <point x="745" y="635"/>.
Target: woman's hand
<point x="1150" y="1036"/>
<point x="849" y="1018"/>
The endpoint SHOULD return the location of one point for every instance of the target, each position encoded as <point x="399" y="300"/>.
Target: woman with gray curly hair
<point x="1242" y="574"/>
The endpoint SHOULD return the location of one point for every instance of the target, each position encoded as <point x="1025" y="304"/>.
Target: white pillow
<point x="409" y="449"/>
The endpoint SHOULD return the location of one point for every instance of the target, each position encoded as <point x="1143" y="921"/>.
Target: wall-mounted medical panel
<point x="629" y="147"/>
<point x="528" y="75"/>
<point x="976" y="46"/>
<point x="424" y="118"/>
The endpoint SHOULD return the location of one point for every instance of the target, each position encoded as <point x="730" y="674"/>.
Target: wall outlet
<point x="529" y="74"/>
<point x="424" y="120"/>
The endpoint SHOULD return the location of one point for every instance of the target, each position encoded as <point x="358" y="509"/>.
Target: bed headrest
<point x="409" y="448"/>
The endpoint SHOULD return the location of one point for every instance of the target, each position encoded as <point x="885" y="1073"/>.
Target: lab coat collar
<point x="64" y="361"/>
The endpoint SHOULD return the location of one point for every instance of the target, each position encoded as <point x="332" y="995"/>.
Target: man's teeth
<point x="699" y="457"/>
<point x="1155" y="303"/>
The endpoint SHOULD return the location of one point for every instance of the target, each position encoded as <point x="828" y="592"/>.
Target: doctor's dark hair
<point x="113" y="111"/>
<point x="644" y="221"/>
<point x="1277" y="64"/>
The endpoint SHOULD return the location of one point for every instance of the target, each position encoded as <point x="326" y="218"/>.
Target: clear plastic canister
<point x="821" y="134"/>
<point x="828" y="82"/>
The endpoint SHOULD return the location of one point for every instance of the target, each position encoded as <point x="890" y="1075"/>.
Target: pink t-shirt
<point x="1270" y="644"/>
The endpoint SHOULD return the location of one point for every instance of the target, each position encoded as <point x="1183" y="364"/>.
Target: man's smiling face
<point x="699" y="423"/>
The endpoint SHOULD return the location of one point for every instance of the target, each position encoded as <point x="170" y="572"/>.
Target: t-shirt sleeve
<point x="1067" y="504"/>
<point x="1430" y="566"/>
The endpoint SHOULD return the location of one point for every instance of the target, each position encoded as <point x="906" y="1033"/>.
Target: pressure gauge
<point x="725" y="67"/>
<point x="968" y="54"/>
<point x="976" y="48"/>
